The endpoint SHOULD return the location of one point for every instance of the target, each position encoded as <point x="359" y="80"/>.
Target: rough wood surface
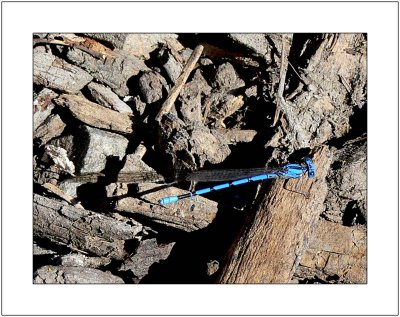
<point x="270" y="247"/>
<point x="73" y="275"/>
<point x="55" y="73"/>
<point x="80" y="229"/>
<point x="249" y="100"/>
<point x="96" y="115"/>
<point x="51" y="128"/>
<point x="186" y="215"/>
<point x="114" y="71"/>
<point x="180" y="82"/>
<point x="337" y="253"/>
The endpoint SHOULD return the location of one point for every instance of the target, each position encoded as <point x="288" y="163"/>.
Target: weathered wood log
<point x="80" y="229"/>
<point x="272" y="241"/>
<point x="95" y="115"/>
<point x="186" y="215"/>
<point x="55" y="73"/>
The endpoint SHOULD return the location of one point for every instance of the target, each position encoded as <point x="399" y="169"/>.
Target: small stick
<point x="180" y="82"/>
<point x="282" y="78"/>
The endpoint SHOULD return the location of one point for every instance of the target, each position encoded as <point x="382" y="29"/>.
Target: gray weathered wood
<point x="50" y="274"/>
<point x="80" y="229"/>
<point x="55" y="73"/>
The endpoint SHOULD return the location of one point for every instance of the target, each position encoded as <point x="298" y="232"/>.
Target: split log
<point x="272" y="241"/>
<point x="80" y="229"/>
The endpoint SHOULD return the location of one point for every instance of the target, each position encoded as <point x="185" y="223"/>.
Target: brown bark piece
<point x="339" y="251"/>
<point x="80" y="229"/>
<point x="187" y="214"/>
<point x="233" y="136"/>
<point x="96" y="115"/>
<point x="270" y="247"/>
<point x="107" y="98"/>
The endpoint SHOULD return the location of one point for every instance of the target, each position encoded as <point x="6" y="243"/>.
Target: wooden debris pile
<point x="118" y="118"/>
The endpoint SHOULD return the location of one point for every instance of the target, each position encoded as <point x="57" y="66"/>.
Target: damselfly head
<point x="310" y="167"/>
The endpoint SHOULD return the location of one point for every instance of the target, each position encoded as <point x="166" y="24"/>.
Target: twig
<point x="282" y="78"/>
<point x="175" y="91"/>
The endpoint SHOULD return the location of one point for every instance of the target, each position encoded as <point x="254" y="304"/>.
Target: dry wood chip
<point x="52" y="127"/>
<point x="96" y="115"/>
<point x="50" y="274"/>
<point x="187" y="214"/>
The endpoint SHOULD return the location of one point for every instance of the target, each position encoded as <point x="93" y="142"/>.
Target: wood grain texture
<point x="81" y="229"/>
<point x="95" y="115"/>
<point x="271" y="242"/>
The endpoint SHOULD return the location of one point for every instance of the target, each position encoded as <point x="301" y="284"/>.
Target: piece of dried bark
<point x="323" y="111"/>
<point x="225" y="106"/>
<point x="52" y="127"/>
<point x="148" y="253"/>
<point x="96" y="115"/>
<point x="191" y="98"/>
<point x="55" y="73"/>
<point x="346" y="202"/>
<point x="226" y="78"/>
<point x="233" y="136"/>
<point x="338" y="251"/>
<point x="114" y="71"/>
<point x="187" y="214"/>
<point x="42" y="106"/>
<point x="81" y="260"/>
<point x="255" y="41"/>
<point x="141" y="45"/>
<point x="206" y="146"/>
<point x="50" y="274"/>
<point x="151" y="86"/>
<point x="80" y="229"/>
<point x="105" y="97"/>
